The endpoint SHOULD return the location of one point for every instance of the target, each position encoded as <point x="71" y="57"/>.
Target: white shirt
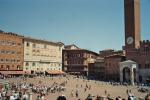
<point x="12" y="98"/>
<point x="25" y="96"/>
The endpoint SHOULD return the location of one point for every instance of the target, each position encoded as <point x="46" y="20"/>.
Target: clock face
<point x="129" y="40"/>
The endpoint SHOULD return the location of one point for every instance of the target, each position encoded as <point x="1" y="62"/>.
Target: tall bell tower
<point x="132" y="24"/>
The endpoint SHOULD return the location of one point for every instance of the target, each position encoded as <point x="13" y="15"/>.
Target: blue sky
<point x="90" y="24"/>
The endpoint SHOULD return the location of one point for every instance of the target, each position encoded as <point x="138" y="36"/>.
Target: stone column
<point x="132" y="76"/>
<point x="121" y="73"/>
<point x="137" y="73"/>
<point x="121" y="76"/>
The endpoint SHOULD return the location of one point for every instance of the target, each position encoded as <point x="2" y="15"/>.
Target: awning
<point x="55" y="72"/>
<point x="15" y="72"/>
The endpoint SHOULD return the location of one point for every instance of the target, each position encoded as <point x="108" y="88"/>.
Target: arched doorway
<point x="128" y="72"/>
<point x="126" y="75"/>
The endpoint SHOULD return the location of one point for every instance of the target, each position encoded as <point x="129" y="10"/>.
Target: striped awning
<point x="55" y="72"/>
<point x="15" y="72"/>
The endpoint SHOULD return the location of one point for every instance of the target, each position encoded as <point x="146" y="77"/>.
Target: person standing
<point x="77" y="93"/>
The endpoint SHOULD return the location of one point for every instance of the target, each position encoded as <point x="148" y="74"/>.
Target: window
<point x="27" y="44"/>
<point x="13" y="60"/>
<point x="2" y="66"/>
<point x="34" y="45"/>
<point x="146" y="65"/>
<point x="27" y="64"/>
<point x="7" y="52"/>
<point x="45" y="46"/>
<point x="7" y="67"/>
<point x="59" y="65"/>
<point x="3" y="42"/>
<point x="2" y="52"/>
<point x="33" y="64"/>
<point x="7" y="60"/>
<point x="33" y="50"/>
<point x="12" y="52"/>
<point x="13" y="43"/>
<point x="27" y="53"/>
<point x="0" y="42"/>
<point x="19" y="44"/>
<point x="109" y="64"/>
<point x="7" y="42"/>
<point x="139" y="66"/>
<point x="18" y="67"/>
<point x="59" y="48"/>
<point x="18" y="52"/>
<point x="18" y="60"/>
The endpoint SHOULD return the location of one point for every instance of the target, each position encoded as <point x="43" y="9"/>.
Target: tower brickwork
<point x="132" y="23"/>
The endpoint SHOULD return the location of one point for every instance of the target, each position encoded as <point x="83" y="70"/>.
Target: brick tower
<point x="132" y="24"/>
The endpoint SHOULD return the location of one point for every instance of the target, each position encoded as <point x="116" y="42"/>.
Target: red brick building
<point x="136" y="49"/>
<point x="112" y="70"/>
<point x="97" y="69"/>
<point x="108" y="52"/>
<point x="11" y="52"/>
<point x="76" y="61"/>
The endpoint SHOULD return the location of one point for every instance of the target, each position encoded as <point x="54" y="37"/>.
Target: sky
<point x="90" y="24"/>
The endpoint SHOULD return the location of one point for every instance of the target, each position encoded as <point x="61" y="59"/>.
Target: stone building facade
<point x="76" y="61"/>
<point x="41" y="55"/>
<point x="136" y="49"/>
<point x="11" y="52"/>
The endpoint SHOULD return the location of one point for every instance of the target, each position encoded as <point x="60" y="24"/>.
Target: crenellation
<point x="145" y="42"/>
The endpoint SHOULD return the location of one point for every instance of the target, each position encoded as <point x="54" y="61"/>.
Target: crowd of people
<point x="24" y="90"/>
<point x="21" y="91"/>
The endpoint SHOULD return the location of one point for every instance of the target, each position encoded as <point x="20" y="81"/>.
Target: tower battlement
<point x="145" y="42"/>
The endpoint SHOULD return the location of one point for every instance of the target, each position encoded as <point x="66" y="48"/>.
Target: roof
<point x="108" y="50"/>
<point x="115" y="55"/>
<point x="81" y="50"/>
<point x="128" y="61"/>
<point x="55" y="72"/>
<point x="30" y="38"/>
<point x="43" y="41"/>
<point x="69" y="46"/>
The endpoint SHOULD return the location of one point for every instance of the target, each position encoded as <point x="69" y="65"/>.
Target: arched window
<point x="18" y="67"/>
<point x="34" y="45"/>
<point x="27" y="64"/>
<point x="2" y="66"/>
<point x="33" y="64"/>
<point x="7" y="67"/>
<point x="28" y="44"/>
